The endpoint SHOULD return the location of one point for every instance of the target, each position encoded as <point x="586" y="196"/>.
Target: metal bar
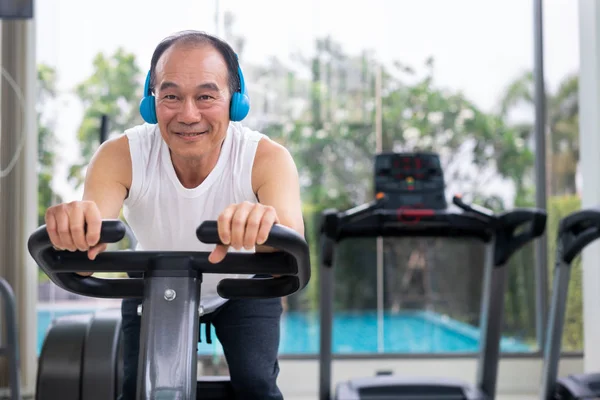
<point x="491" y="320"/>
<point x="325" y="352"/>
<point x="326" y="331"/>
<point x="541" y="184"/>
<point x="558" y="307"/>
<point x="589" y="144"/>
<point x="380" y="259"/>
<point x="380" y="297"/>
<point x="18" y="182"/>
<point x="11" y="147"/>
<point x="103" y="128"/>
<point x="168" y="360"/>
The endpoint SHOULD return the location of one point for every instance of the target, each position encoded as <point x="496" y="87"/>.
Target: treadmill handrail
<point x="577" y="230"/>
<point x="291" y="264"/>
<point x="373" y="219"/>
<point x="508" y="240"/>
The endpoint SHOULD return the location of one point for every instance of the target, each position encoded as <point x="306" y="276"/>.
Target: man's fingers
<point x="238" y="224"/>
<point x="77" y="226"/>
<point x="268" y="220"/>
<point x="95" y="250"/>
<point x="64" y="231"/>
<point x="52" y="228"/>
<point x="93" y="221"/>
<point x="253" y="223"/>
<point x="224" y="225"/>
<point x="218" y="254"/>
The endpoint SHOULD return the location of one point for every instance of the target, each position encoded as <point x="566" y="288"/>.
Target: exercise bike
<point x="575" y="232"/>
<point x="170" y="289"/>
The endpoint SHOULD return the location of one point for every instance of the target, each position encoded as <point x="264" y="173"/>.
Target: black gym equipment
<point x="575" y="232"/>
<point x="170" y="289"/>
<point x="378" y="218"/>
<point x="410" y="180"/>
<point x="10" y="349"/>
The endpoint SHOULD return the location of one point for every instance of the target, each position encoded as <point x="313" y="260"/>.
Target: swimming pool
<point x="353" y="333"/>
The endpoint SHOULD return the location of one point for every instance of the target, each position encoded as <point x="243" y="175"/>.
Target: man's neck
<point x="192" y="172"/>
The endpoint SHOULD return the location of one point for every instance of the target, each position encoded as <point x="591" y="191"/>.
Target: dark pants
<point x="249" y="333"/>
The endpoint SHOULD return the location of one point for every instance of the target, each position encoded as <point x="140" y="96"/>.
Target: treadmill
<point x="575" y="232"/>
<point x="410" y="202"/>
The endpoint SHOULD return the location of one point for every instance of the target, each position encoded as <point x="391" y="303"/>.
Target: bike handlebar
<point x="291" y="263"/>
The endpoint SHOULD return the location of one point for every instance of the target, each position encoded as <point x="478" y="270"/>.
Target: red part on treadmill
<point x="413" y="215"/>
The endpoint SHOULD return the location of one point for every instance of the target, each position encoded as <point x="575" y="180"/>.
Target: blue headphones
<point x="238" y="108"/>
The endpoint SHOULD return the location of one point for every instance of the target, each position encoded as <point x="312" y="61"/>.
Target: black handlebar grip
<point x="112" y="231"/>
<point x="507" y="242"/>
<point x="208" y="232"/>
<point x="280" y="237"/>
<point x="41" y="249"/>
<point x="577" y="230"/>
<point x="579" y="221"/>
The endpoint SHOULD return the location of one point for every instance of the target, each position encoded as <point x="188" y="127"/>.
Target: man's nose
<point x="189" y="112"/>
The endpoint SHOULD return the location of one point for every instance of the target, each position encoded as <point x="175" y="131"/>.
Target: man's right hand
<point x="75" y="226"/>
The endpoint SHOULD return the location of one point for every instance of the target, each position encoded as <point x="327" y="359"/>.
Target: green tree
<point x="562" y="122"/>
<point x="572" y="336"/>
<point x="332" y="138"/>
<point x="46" y="78"/>
<point x="114" y="90"/>
<point x="46" y="83"/>
<point x="337" y="128"/>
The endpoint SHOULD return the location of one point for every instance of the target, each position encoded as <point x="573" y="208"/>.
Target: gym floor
<point x="505" y="397"/>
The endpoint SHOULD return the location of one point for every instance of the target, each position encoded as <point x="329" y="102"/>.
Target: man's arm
<point x="276" y="183"/>
<point x="76" y="225"/>
<point x="107" y="184"/>
<point x="108" y="177"/>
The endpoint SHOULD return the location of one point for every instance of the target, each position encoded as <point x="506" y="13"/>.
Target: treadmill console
<point x="410" y="180"/>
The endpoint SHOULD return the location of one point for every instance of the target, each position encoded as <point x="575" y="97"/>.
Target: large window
<point x="450" y="76"/>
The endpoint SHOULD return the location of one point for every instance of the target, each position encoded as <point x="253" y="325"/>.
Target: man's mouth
<point x="190" y="134"/>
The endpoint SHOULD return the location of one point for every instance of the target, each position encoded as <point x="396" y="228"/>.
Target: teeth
<point x="189" y="134"/>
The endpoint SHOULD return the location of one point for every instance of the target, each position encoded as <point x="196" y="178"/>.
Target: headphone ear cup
<point x="240" y="101"/>
<point x="240" y="106"/>
<point x="148" y="110"/>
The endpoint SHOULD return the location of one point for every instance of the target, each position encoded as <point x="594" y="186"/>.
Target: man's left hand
<point x="243" y="225"/>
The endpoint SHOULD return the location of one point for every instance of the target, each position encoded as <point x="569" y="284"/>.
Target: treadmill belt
<point x="411" y="392"/>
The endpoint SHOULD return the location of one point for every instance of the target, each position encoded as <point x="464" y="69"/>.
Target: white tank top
<point x="164" y="215"/>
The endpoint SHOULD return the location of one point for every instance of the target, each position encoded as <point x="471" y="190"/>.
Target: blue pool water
<point x="354" y="333"/>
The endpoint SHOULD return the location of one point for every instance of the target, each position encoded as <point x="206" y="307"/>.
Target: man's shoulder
<point x="119" y="147"/>
<point x="141" y="131"/>
<point x="266" y="146"/>
<point x="244" y="133"/>
<point x="272" y="156"/>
